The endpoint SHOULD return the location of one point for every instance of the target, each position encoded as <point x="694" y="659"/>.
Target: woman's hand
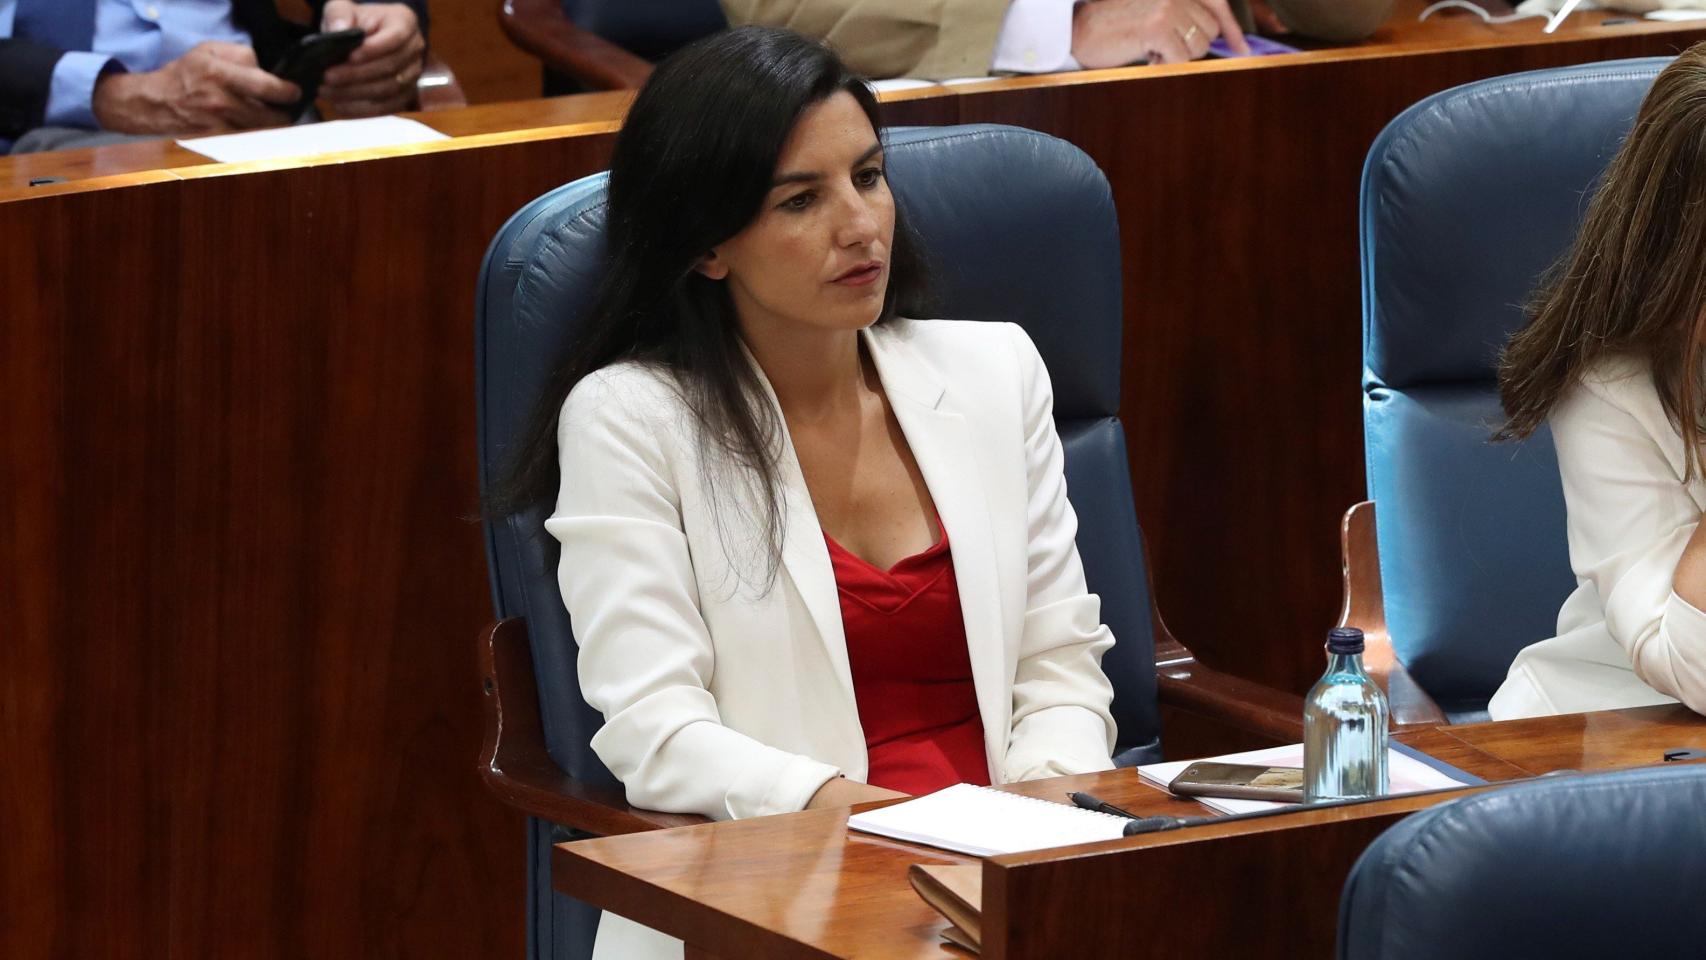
<point x="842" y="792"/>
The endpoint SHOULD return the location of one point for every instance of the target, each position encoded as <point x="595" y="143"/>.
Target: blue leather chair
<point x="1467" y="197"/>
<point x="1608" y="865"/>
<point x="1020" y="227"/>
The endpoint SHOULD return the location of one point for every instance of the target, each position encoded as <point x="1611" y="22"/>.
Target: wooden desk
<point x="802" y="885"/>
<point x="600" y="112"/>
<point x="238" y="710"/>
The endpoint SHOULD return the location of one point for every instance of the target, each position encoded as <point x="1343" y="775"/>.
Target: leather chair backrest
<point x="1606" y="865"/>
<point x="1467" y="198"/>
<point x="649" y="28"/>
<point x="1019" y="226"/>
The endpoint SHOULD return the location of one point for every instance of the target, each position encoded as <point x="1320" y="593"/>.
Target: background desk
<point x="804" y="886"/>
<point x="238" y="713"/>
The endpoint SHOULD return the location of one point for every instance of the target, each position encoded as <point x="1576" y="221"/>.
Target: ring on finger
<point x="1187" y="35"/>
<point x="402" y="79"/>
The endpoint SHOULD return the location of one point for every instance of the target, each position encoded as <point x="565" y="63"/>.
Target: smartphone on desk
<point x="306" y="63"/>
<point x="1240" y="781"/>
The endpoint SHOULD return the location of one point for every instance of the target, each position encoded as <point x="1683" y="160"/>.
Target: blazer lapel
<point x="942" y="444"/>
<point x="805" y="556"/>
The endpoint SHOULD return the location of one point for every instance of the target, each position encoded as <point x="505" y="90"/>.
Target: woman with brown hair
<point x="1614" y="359"/>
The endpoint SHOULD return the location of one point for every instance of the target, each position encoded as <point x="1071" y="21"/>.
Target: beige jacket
<point x="890" y="38"/>
<point x="941" y="39"/>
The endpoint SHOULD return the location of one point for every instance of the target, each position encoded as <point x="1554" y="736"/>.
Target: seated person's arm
<point x="214" y="88"/>
<point x="1635" y="533"/>
<point x="1113" y="33"/>
<point x="1061" y="722"/>
<point x="379" y="77"/>
<point x="646" y="656"/>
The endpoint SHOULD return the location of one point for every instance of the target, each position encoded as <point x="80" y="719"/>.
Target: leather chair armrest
<point x="514" y="763"/>
<point x="1244" y="704"/>
<point x="1365" y="608"/>
<point x="437" y="88"/>
<point x="541" y="28"/>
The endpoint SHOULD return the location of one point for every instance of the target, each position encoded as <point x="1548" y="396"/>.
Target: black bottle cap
<point x="1344" y="640"/>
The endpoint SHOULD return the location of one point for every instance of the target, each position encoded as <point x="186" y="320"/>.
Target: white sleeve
<point x="1036" y="37"/>
<point x="1061" y="722"/>
<point x="1630" y="516"/>
<point x="645" y="655"/>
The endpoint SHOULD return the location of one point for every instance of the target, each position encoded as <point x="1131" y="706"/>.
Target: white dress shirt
<point x="1036" y="37"/>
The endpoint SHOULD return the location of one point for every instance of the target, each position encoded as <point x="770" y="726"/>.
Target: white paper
<point x="1676" y="16"/>
<point x="984" y="822"/>
<point x="307" y="139"/>
<point x="909" y="83"/>
<point x="1404" y="774"/>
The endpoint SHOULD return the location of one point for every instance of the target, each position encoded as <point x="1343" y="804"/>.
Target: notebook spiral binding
<point x="1076" y="811"/>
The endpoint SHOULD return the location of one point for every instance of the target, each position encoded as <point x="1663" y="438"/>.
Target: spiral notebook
<point x="984" y="822"/>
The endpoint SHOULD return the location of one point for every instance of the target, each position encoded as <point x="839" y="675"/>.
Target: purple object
<point x="1259" y="47"/>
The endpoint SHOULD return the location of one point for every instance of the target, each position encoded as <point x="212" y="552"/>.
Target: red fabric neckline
<point x="920" y="557"/>
<point x="906" y="647"/>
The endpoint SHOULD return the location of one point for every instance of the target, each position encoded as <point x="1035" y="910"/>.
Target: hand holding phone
<point x="380" y="77"/>
<point x="306" y="63"/>
<point x="1240" y="781"/>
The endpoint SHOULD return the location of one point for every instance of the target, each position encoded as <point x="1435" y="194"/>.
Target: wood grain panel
<point x="1605" y="740"/>
<point x="239" y="711"/>
<point x="240" y="699"/>
<point x="1270" y="893"/>
<point x="466" y="35"/>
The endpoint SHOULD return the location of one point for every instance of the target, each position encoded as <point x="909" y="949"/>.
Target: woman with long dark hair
<point x="815" y="553"/>
<point x="1614" y="359"/>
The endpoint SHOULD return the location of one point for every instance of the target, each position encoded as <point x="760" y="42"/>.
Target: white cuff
<point x="1036" y="37"/>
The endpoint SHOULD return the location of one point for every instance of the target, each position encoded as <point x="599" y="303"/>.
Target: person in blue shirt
<point x="79" y="72"/>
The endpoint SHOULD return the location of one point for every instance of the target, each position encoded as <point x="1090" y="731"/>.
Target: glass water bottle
<point x="1344" y="726"/>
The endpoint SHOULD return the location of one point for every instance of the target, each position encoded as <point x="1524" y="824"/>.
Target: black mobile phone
<point x="1240" y="781"/>
<point x="306" y="63"/>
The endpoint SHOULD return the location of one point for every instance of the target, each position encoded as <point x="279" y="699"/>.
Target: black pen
<point x="1090" y="802"/>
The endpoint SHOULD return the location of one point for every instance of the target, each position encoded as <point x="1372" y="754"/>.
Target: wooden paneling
<point x="239" y="697"/>
<point x="239" y="713"/>
<point x="466" y="35"/>
<point x="1587" y="741"/>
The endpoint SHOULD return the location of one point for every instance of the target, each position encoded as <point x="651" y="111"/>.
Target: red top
<point x="906" y="643"/>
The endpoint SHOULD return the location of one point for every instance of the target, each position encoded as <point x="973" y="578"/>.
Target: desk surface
<point x="146" y="161"/>
<point x="803" y="885"/>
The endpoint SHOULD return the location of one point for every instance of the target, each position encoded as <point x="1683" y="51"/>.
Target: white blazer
<point x="1624" y="638"/>
<point x="725" y="699"/>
